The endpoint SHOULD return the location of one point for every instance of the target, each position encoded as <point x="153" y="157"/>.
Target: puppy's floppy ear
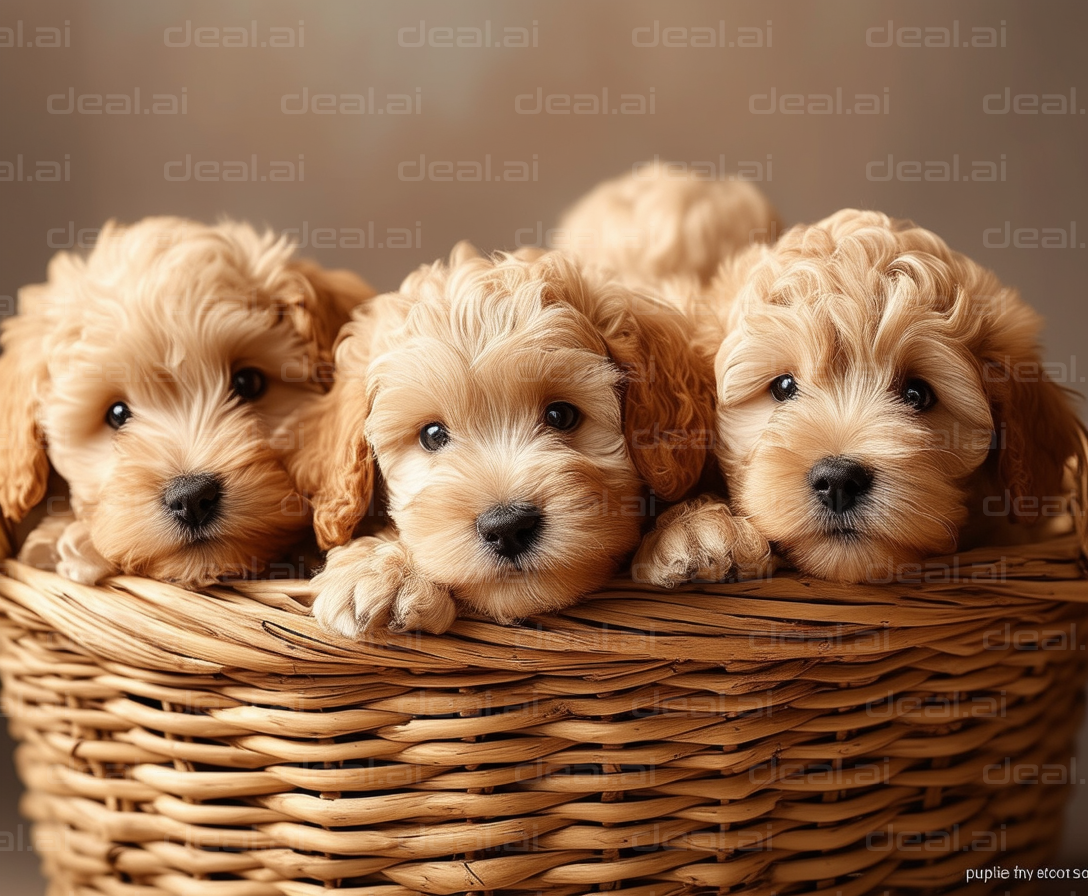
<point x="24" y="466"/>
<point x="669" y="400"/>
<point x="332" y="461"/>
<point x="1036" y="429"/>
<point x="323" y="303"/>
<point x="668" y="384"/>
<point x="1037" y="433"/>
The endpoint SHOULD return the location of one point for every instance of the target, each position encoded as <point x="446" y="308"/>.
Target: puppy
<point x="881" y="399"/>
<point x="664" y="230"/>
<point x="152" y="374"/>
<point x="519" y="413"/>
<point x="662" y="223"/>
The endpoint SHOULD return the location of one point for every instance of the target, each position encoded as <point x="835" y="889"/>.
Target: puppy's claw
<point x="701" y="540"/>
<point x="424" y="606"/>
<point x="370" y="584"/>
<point x="344" y="624"/>
<point x="362" y="624"/>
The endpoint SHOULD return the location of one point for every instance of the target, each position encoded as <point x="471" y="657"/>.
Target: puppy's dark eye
<point x="784" y="387"/>
<point x="248" y="383"/>
<point x="561" y="415"/>
<point x="918" y="394"/>
<point x="434" y="436"/>
<point x="118" y="414"/>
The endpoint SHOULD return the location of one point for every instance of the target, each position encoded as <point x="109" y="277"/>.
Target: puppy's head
<point x="516" y="412"/>
<point x="868" y="371"/>
<point x="665" y="221"/>
<point x="153" y="373"/>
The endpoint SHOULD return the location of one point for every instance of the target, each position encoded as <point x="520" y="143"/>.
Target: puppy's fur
<point x="161" y="316"/>
<point x="663" y="230"/>
<point x="484" y="346"/>
<point x="856" y="308"/>
<point x="660" y="223"/>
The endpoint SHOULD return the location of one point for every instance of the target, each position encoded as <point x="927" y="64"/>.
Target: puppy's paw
<point x="370" y="584"/>
<point x="78" y="559"/>
<point x="701" y="540"/>
<point x="40" y="548"/>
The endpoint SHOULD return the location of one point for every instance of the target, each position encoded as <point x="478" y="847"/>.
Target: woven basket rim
<point x="265" y="626"/>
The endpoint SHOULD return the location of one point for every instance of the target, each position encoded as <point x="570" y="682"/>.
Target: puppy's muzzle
<point x="510" y="529"/>
<point x="839" y="482"/>
<point x="192" y="500"/>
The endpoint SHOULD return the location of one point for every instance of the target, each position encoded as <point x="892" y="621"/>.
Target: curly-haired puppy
<point x="518" y="413"/>
<point x="880" y="396"/>
<point x="664" y="229"/>
<point x="662" y="221"/>
<point x="152" y="374"/>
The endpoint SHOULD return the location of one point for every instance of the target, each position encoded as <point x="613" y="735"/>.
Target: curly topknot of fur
<point x="659" y="224"/>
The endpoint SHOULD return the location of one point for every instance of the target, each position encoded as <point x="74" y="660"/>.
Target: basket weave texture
<point x="779" y="736"/>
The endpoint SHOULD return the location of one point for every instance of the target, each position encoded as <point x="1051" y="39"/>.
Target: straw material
<point x="779" y="736"/>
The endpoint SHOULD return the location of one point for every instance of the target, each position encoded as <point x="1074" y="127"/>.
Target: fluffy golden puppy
<point x="662" y="222"/>
<point x="663" y="229"/>
<point x="882" y="398"/>
<point x="152" y="374"/>
<point x="519" y="414"/>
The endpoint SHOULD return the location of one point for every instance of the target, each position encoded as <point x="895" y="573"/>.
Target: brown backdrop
<point x="252" y="110"/>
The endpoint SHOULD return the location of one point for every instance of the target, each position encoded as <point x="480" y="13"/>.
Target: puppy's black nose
<point x="839" y="482"/>
<point x="192" y="500"/>
<point x="510" y="529"/>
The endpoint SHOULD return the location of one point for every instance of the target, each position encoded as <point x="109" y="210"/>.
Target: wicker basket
<point x="782" y="736"/>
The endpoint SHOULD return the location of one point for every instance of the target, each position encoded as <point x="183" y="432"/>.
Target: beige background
<point x="701" y="99"/>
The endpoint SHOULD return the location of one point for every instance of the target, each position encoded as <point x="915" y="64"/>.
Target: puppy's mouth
<point x="196" y="537"/>
<point x="842" y="529"/>
<point x="520" y="565"/>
